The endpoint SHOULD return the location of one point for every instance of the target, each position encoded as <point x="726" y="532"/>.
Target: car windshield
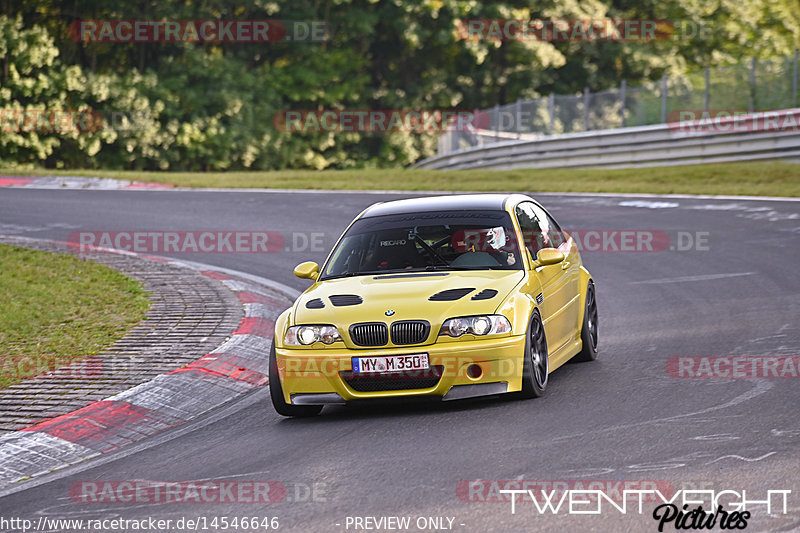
<point x="450" y="240"/>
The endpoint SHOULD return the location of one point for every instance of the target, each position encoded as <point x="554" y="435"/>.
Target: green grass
<point x="764" y="178"/>
<point x="57" y="309"/>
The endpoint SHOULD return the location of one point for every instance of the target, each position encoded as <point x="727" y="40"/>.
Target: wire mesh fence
<point x="751" y="86"/>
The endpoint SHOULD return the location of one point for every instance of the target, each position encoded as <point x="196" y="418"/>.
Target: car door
<point x="555" y="286"/>
<point x="570" y="268"/>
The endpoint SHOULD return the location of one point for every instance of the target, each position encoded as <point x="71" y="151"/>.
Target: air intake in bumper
<point x="406" y="380"/>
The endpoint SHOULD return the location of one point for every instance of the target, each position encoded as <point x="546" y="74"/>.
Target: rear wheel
<point x="536" y="364"/>
<point x="276" y="392"/>
<point x="589" y="328"/>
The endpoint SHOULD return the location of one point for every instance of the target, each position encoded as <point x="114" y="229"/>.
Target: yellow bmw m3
<point x="445" y="297"/>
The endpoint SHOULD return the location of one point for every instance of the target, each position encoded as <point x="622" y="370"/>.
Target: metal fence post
<point x="477" y="136"/>
<point x="752" y="84"/>
<point x="664" y="98"/>
<point x="794" y="79"/>
<point x="586" y="109"/>
<point x="705" y="93"/>
<point x="496" y="122"/>
<point x="622" y="90"/>
<point x="551" y="110"/>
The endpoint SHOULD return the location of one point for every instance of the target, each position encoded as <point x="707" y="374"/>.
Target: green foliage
<point x="210" y="106"/>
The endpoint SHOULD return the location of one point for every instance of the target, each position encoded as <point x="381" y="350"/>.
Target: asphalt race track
<point x="623" y="417"/>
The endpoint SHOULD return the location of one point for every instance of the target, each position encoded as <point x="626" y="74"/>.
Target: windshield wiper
<point x="451" y="267"/>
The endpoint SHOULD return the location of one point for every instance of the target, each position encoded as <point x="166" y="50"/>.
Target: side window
<point x="529" y="225"/>
<point x="538" y="229"/>
<point x="552" y="233"/>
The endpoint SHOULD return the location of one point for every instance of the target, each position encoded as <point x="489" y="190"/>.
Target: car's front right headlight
<point x="476" y="325"/>
<point x="309" y="334"/>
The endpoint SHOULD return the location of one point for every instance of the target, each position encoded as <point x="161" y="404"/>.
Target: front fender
<point x="281" y="325"/>
<point x="584" y="280"/>
<point x="520" y="303"/>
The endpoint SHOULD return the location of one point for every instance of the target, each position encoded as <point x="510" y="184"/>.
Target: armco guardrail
<point x="743" y="138"/>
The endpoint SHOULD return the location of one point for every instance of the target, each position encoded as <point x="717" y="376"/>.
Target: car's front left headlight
<point x="309" y="334"/>
<point x="476" y="325"/>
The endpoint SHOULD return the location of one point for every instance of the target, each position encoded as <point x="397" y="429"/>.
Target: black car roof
<point x="455" y="202"/>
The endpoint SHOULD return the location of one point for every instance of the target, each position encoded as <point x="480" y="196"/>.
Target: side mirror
<point x="548" y="256"/>
<point x="307" y="270"/>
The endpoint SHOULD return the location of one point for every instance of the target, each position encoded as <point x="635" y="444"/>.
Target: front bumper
<point x="315" y="377"/>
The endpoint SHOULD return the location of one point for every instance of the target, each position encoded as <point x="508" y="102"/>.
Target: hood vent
<point x="343" y="300"/>
<point x="316" y="303"/>
<point x="485" y="294"/>
<point x="450" y="295"/>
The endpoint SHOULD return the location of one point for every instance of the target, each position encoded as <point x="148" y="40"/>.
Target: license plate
<point x="393" y="363"/>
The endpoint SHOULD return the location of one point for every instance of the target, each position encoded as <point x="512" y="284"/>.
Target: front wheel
<point x="276" y="392"/>
<point x="536" y="363"/>
<point x="589" y="328"/>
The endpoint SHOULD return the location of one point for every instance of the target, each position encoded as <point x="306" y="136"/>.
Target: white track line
<point x="702" y="277"/>
<point x="399" y="191"/>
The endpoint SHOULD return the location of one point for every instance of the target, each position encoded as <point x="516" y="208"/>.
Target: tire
<point x="589" y="327"/>
<point x="536" y="360"/>
<point x="276" y="392"/>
